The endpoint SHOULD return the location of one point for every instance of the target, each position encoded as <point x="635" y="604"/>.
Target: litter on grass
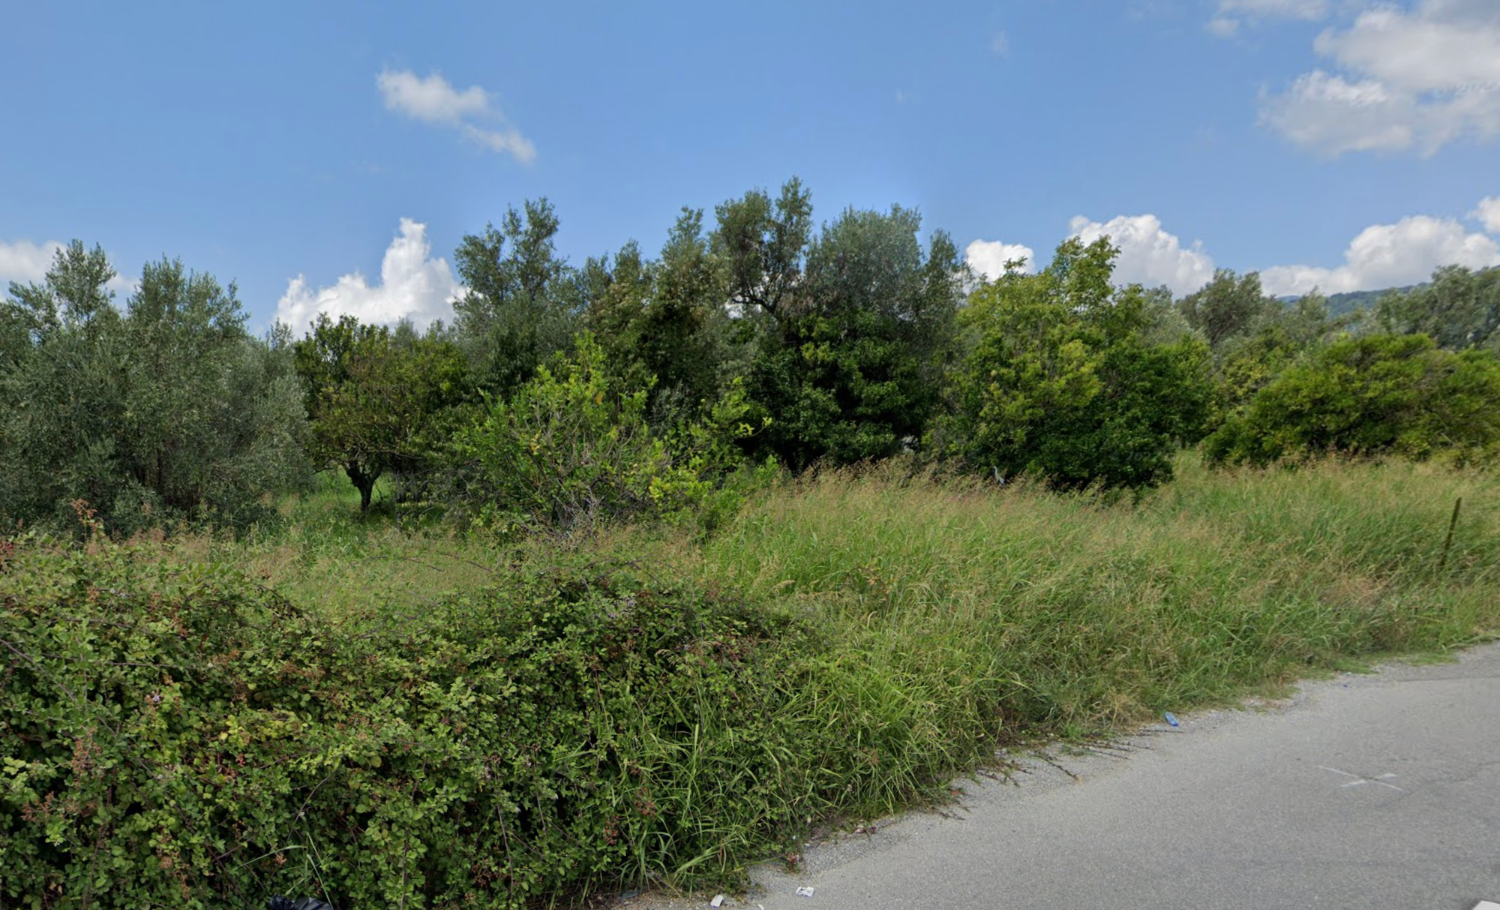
<point x="1171" y="718"/>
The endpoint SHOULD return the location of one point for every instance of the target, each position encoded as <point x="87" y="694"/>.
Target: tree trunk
<point x="364" y="481"/>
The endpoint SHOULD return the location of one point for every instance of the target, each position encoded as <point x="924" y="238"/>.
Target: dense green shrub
<point x="572" y="449"/>
<point x="853" y="364"/>
<point x="1063" y="381"/>
<point x="1371" y="396"/>
<point x="186" y="738"/>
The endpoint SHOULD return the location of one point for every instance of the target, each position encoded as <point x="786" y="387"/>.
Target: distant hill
<point x="1339" y="304"/>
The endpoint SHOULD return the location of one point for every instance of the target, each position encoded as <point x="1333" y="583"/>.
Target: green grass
<point x="1074" y="613"/>
<point x="1084" y="615"/>
<point x="928" y="622"/>
<point x="323" y="554"/>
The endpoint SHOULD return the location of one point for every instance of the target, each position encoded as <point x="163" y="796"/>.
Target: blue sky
<point x="332" y="155"/>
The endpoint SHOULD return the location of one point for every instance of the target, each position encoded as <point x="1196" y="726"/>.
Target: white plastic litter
<point x="804" y="892"/>
<point x="718" y="901"/>
<point x="1486" y="905"/>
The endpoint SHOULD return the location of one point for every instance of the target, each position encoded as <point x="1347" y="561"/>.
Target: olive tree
<point x="170" y="410"/>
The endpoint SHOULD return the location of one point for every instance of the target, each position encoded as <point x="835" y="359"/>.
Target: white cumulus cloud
<point x="1389" y="255"/>
<point x="412" y="286"/>
<point x="1381" y="256"/>
<point x="1488" y="214"/>
<point x="988" y="257"/>
<point x="23" y="261"/>
<point x="432" y="99"/>
<point x="1149" y="255"/>
<point x="1414" y="78"/>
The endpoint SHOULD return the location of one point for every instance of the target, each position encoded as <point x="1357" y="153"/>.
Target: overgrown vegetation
<point x="1063" y="382"/>
<point x="1377" y="395"/>
<point x="655" y="710"/>
<point x="1090" y="614"/>
<point x="644" y="568"/>
<point x="575" y="450"/>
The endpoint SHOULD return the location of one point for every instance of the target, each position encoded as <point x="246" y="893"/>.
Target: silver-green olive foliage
<point x="521" y="299"/>
<point x="169" y="410"/>
<point x="855" y="324"/>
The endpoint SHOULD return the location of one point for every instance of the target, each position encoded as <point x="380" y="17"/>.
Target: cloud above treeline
<point x="417" y="286"/>
<point x="990" y="257"/>
<point x="23" y="261"/>
<point x="27" y="262"/>
<point x="1488" y="214"/>
<point x="413" y="286"/>
<point x="1404" y="252"/>
<point x="1149" y="255"/>
<point x="472" y="112"/>
<point x="1389" y="255"/>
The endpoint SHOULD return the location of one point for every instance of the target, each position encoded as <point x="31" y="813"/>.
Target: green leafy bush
<point x="1061" y="380"/>
<point x="184" y="737"/>
<point x="1382" y="394"/>
<point x="571" y="449"/>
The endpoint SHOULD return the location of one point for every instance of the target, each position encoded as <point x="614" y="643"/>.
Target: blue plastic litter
<point x="1171" y="718"/>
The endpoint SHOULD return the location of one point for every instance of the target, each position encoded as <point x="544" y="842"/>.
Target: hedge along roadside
<point x="182" y="736"/>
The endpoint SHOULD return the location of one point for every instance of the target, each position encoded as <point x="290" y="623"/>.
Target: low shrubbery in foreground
<point x="181" y="737"/>
<point x="174" y="734"/>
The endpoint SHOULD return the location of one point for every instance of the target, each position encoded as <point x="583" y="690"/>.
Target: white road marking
<point x="1361" y="780"/>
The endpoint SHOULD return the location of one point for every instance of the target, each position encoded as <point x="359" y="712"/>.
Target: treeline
<point x="635" y="385"/>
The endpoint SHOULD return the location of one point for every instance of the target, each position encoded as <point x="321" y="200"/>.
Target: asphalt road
<point x="1362" y="792"/>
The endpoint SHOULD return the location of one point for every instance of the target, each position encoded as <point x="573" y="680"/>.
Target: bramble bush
<point x="182" y="736"/>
